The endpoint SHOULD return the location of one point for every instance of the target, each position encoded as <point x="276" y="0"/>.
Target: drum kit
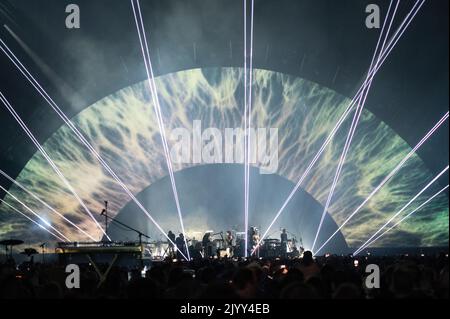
<point x="10" y="243"/>
<point x="271" y="248"/>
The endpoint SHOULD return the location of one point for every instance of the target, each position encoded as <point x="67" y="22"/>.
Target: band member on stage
<point x="253" y="240"/>
<point x="207" y="245"/>
<point x="229" y="243"/>
<point x="250" y="235"/>
<point x="284" y="241"/>
<point x="181" y="246"/>
<point x="171" y="248"/>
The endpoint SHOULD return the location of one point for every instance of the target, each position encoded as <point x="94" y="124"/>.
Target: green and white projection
<point x="124" y="130"/>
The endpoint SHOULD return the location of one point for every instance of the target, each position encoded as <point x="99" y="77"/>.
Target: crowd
<point x="326" y="277"/>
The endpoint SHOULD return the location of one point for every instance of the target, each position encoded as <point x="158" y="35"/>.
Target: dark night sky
<point x="324" y="41"/>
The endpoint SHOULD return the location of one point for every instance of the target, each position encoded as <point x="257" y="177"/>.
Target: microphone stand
<point x="140" y="234"/>
<point x="106" y="216"/>
<point x="43" y="252"/>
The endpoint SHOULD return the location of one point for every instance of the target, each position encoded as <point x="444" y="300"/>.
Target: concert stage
<point x="143" y="132"/>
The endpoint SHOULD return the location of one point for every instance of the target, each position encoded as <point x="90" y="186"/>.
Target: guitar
<point x="255" y="241"/>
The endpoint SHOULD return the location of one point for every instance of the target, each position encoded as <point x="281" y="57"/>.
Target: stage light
<point x="402" y="209"/>
<point x="392" y="43"/>
<point x="388" y="177"/>
<point x="33" y="221"/>
<point x="44" y="203"/>
<point x="49" y="160"/>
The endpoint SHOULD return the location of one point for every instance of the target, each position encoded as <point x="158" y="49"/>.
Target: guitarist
<point x="253" y="240"/>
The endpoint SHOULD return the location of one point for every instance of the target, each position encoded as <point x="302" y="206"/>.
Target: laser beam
<point x="45" y="204"/>
<point x="408" y="215"/>
<point x="248" y="80"/>
<point x="388" y="177"/>
<point x="34" y="213"/>
<point x="392" y="43"/>
<point x="361" y="102"/>
<point x="157" y="107"/>
<point x="245" y="132"/>
<point x="49" y="160"/>
<point x="31" y="220"/>
<point x="22" y="69"/>
<point x="401" y="210"/>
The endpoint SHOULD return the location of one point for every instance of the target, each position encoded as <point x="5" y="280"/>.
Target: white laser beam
<point x="248" y="80"/>
<point x="361" y="102"/>
<point x="408" y="215"/>
<point x="157" y="107"/>
<point x="49" y="160"/>
<point x="392" y="43"/>
<point x="388" y="177"/>
<point x="31" y="220"/>
<point x="75" y="130"/>
<point x="34" y="213"/>
<point x="401" y="210"/>
<point x="4" y="174"/>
